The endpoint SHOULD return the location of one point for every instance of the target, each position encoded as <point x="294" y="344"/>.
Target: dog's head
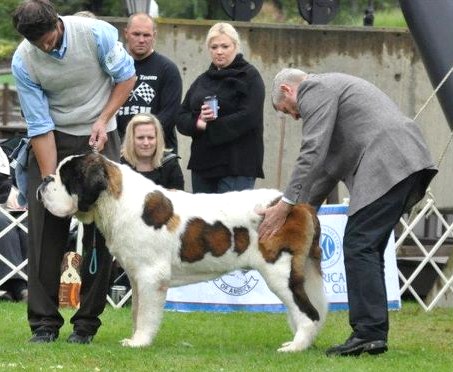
<point x="78" y="183"/>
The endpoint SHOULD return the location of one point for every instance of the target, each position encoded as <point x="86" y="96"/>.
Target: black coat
<point x="232" y="144"/>
<point x="168" y="175"/>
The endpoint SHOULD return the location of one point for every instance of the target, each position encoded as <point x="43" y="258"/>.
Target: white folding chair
<point x="15" y="221"/>
<point x="123" y="300"/>
<point x="427" y="256"/>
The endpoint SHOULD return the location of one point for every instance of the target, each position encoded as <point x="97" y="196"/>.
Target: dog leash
<point x="93" y="268"/>
<point x="94" y="148"/>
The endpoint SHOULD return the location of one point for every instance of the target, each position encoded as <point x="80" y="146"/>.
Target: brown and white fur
<point x="168" y="238"/>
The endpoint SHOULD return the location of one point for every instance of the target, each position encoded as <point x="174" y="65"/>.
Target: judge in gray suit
<point x="354" y="133"/>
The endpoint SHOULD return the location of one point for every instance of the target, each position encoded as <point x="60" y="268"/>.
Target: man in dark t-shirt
<point x="158" y="88"/>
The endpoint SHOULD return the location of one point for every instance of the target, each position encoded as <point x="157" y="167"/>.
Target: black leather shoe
<point x="43" y="337"/>
<point x="79" y="338"/>
<point x="355" y="346"/>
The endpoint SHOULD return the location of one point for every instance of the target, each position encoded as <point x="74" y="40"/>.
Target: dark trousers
<point x="364" y="243"/>
<point x="48" y="237"/>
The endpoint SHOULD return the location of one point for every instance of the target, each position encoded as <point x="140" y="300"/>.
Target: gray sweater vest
<point x="76" y="86"/>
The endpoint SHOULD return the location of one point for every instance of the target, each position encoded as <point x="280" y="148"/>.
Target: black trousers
<point x="48" y="237"/>
<point x="364" y="243"/>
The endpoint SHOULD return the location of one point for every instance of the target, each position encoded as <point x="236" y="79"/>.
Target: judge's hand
<point x="274" y="218"/>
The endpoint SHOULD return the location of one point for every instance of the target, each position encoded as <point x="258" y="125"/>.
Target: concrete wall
<point x="386" y="57"/>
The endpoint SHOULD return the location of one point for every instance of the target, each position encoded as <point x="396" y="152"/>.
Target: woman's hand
<point x="201" y="124"/>
<point x="206" y="113"/>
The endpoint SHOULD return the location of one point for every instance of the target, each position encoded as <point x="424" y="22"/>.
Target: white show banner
<point x="247" y="291"/>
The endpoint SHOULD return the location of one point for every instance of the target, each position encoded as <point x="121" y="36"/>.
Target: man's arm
<point x="117" y="63"/>
<point x="318" y="106"/>
<point x="45" y="152"/>
<point x="119" y="94"/>
<point x="170" y="99"/>
<point x="35" y="108"/>
<point x="319" y="117"/>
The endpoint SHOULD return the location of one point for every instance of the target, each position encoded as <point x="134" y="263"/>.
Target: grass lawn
<point x="419" y="341"/>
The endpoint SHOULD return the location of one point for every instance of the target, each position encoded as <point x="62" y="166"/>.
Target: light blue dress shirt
<point x="33" y="100"/>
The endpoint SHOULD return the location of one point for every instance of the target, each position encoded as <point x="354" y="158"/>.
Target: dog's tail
<point x="314" y="284"/>
<point x="315" y="250"/>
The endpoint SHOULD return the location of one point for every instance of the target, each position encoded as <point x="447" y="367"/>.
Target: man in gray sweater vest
<point x="72" y="75"/>
<point x="353" y="132"/>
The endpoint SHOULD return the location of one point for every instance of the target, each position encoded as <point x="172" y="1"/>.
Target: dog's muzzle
<point x="42" y="186"/>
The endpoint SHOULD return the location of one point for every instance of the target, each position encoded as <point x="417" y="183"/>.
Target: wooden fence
<point x="11" y="121"/>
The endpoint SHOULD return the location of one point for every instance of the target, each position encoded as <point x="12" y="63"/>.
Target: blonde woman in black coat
<point x="227" y="149"/>
<point x="144" y="151"/>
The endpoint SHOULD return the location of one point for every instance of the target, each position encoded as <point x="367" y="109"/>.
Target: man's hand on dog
<point x="274" y="218"/>
<point x="98" y="136"/>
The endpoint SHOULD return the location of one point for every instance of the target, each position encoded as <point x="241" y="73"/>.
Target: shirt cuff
<point x="287" y="201"/>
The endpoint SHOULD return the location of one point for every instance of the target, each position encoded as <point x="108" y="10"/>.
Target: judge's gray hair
<point x="290" y="76"/>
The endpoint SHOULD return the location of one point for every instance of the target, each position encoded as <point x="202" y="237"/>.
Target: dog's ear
<point x="94" y="181"/>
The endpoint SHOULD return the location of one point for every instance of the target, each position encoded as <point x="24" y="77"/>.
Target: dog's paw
<point x="130" y="342"/>
<point x="291" y="347"/>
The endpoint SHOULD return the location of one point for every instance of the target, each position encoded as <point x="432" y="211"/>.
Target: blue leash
<point x="94" y="259"/>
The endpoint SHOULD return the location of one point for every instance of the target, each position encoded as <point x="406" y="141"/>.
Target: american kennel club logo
<point x="236" y="283"/>
<point x="330" y="246"/>
<point x="332" y="272"/>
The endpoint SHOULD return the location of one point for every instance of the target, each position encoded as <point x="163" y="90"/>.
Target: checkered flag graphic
<point x="145" y="92"/>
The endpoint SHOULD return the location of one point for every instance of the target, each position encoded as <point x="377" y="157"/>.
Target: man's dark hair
<point x="33" y="18"/>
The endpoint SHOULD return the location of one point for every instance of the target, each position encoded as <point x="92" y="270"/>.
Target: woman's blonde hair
<point x="128" y="148"/>
<point x="223" y="28"/>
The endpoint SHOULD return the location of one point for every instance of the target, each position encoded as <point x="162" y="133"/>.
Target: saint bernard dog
<point x="165" y="238"/>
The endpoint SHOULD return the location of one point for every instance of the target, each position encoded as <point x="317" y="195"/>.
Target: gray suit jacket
<point x="353" y="132"/>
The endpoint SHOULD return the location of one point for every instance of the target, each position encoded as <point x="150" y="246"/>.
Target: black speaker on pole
<point x="241" y="10"/>
<point x="430" y="23"/>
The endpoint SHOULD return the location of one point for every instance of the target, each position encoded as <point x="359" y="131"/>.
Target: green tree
<point x="99" y="7"/>
<point x="193" y="9"/>
<point x="6" y="27"/>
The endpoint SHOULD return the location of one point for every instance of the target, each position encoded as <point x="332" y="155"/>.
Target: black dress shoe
<point x="79" y="338"/>
<point x="355" y="346"/>
<point x="42" y="337"/>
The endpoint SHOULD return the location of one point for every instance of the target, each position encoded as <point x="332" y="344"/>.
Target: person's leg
<point x="47" y="237"/>
<point x="235" y="183"/>
<point x="96" y="269"/>
<point x="365" y="240"/>
<point x="203" y="185"/>
<point x="95" y="274"/>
